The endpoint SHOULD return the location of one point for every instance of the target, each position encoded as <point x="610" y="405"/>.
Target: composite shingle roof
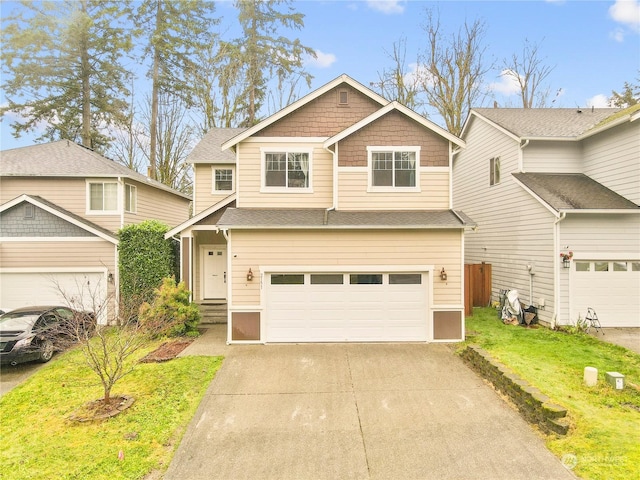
<point x="546" y="122"/>
<point x="320" y="218"/>
<point x="209" y="150"/>
<point x="64" y="158"/>
<point x="573" y="191"/>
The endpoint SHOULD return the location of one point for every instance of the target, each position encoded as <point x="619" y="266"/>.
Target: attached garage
<point x="81" y="288"/>
<point x="610" y="287"/>
<point x="347" y="306"/>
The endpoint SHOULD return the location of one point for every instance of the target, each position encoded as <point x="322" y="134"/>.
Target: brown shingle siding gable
<point x="394" y="129"/>
<point x="323" y="116"/>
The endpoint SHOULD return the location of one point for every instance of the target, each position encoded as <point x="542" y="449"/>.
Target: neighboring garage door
<point x="20" y="289"/>
<point x="611" y="288"/>
<point x="343" y="307"/>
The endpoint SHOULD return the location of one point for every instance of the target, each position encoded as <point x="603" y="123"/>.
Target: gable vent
<point x="343" y="97"/>
<point x="29" y="211"/>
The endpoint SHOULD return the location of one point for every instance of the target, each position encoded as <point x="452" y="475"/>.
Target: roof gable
<point x="65" y="215"/>
<point x="303" y="101"/>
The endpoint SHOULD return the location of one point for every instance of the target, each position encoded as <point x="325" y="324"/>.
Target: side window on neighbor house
<point x="222" y="180"/>
<point x="287" y="170"/>
<point x="103" y="196"/>
<point x="130" y="198"/>
<point x="394" y="168"/>
<point x="494" y="171"/>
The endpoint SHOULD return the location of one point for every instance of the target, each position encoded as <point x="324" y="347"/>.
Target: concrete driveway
<point x="356" y="411"/>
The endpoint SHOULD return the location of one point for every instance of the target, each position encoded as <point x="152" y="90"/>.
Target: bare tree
<point x="399" y="82"/>
<point x="529" y="72"/>
<point x="452" y="69"/>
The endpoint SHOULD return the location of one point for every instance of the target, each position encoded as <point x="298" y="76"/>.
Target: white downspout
<point x="334" y="155"/>
<point x="556" y="267"/>
<point x="521" y="156"/>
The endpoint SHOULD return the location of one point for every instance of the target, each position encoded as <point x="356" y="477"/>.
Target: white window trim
<point x="119" y="194"/>
<point x="372" y="188"/>
<point x="213" y="179"/>
<point x="286" y="150"/>
<point x="492" y="162"/>
<point x="132" y="189"/>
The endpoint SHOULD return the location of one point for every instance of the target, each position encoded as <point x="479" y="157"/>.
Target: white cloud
<point x="626" y="12"/>
<point x="598" y="101"/>
<point x="388" y="7"/>
<point x="617" y="35"/>
<point x="322" y="60"/>
<point x="507" y="85"/>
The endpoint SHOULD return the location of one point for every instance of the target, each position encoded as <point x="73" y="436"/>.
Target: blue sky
<point x="594" y="45"/>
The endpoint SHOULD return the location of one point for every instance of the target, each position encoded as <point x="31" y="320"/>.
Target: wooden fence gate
<point x="477" y="286"/>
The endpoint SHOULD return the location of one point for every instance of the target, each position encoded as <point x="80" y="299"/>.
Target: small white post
<point x="590" y="376"/>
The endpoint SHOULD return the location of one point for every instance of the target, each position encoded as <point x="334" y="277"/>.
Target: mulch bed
<point x="167" y="351"/>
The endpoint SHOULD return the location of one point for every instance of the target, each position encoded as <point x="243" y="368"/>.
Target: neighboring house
<point x="542" y="183"/>
<point x="60" y="208"/>
<point x="329" y="221"/>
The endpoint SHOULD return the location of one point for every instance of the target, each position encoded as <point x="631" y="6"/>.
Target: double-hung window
<point x="130" y="198"/>
<point x="286" y="170"/>
<point x="494" y="171"/>
<point x="103" y="197"/>
<point x="394" y="168"/>
<point x="222" y="180"/>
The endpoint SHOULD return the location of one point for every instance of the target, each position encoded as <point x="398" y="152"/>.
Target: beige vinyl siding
<point x="619" y="146"/>
<point x="555" y="157"/>
<point x="514" y="228"/>
<point x="249" y="180"/>
<point x="203" y="195"/>
<point x="252" y="249"/>
<point x="156" y="204"/>
<point x="353" y="195"/>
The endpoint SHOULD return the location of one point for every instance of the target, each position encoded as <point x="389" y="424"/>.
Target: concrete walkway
<point x="628" y="337"/>
<point x="355" y="411"/>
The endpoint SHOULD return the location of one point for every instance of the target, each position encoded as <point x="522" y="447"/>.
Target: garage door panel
<point x="347" y="312"/>
<point x="612" y="294"/>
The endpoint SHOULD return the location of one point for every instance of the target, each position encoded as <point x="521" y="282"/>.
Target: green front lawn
<point x="38" y="441"/>
<point x="604" y="438"/>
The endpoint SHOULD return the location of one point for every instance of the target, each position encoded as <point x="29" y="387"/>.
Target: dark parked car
<point x="35" y="333"/>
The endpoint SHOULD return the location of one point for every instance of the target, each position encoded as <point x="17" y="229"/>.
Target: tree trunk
<point x="86" y="86"/>
<point x="153" y="124"/>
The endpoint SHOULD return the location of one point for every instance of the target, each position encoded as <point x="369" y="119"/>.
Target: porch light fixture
<point x="443" y="275"/>
<point x="249" y="275"/>
<point x="110" y="277"/>
<point x="566" y="259"/>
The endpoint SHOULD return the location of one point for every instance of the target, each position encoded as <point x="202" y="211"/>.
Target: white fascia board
<point x="57" y="213"/>
<point x="200" y="216"/>
<point x="304" y="100"/>
<point x="494" y="125"/>
<point x="605" y="211"/>
<point x="607" y="126"/>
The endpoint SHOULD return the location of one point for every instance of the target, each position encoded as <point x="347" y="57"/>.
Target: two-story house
<point x="329" y="221"/>
<point x="555" y="194"/>
<point x="60" y="207"/>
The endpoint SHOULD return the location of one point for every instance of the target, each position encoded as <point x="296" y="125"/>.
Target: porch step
<point x="213" y="312"/>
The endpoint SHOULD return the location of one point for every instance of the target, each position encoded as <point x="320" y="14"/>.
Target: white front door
<point x="214" y="272"/>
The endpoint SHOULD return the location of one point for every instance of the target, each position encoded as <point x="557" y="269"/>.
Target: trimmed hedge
<point x="145" y="258"/>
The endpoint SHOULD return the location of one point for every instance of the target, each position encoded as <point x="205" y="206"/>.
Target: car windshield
<point x="18" y="321"/>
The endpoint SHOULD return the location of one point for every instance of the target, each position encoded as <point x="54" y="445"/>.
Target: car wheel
<point x="46" y="351"/>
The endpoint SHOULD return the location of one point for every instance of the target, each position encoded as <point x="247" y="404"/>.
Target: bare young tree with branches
<point x="452" y="69"/>
<point x="529" y="72"/>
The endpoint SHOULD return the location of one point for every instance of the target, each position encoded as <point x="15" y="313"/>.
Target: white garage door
<point x="21" y="289"/>
<point x="342" y="307"/>
<point x="611" y="288"/>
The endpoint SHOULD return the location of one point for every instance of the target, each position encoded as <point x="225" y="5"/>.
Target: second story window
<point x="287" y="170"/>
<point x="494" y="171"/>
<point x="222" y="180"/>
<point x="393" y="168"/>
<point x="103" y="197"/>
<point x="130" y="198"/>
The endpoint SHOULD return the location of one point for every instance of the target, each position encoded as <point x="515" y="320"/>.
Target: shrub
<point x="170" y="313"/>
<point x="145" y="258"/>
